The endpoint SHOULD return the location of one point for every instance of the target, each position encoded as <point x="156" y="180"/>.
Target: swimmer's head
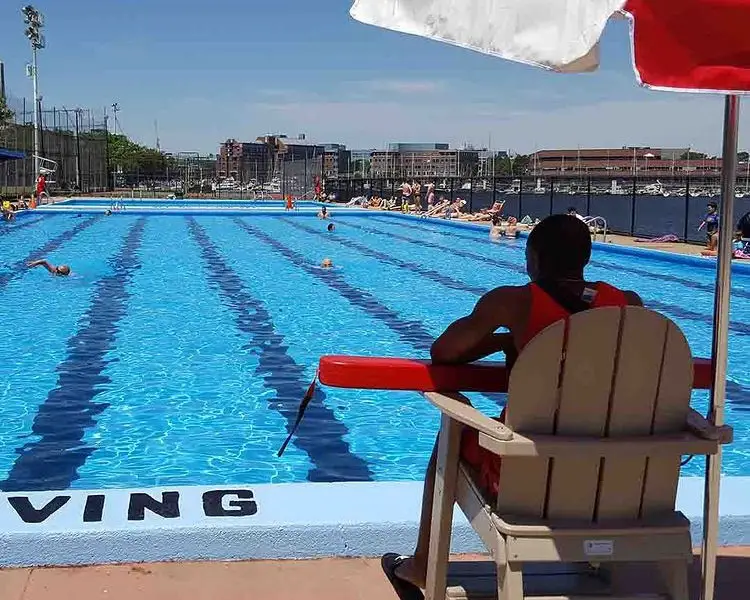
<point x="324" y="210"/>
<point x="107" y="212"/>
<point x="63" y="270"/>
<point x="327" y="263"/>
<point x="495" y="220"/>
<point x="331" y="227"/>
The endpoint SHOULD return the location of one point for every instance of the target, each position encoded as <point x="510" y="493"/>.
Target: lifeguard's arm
<point x="41" y="263"/>
<point x="473" y="337"/>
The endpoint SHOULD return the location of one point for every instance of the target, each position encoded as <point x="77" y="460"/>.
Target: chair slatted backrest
<point x="614" y="373"/>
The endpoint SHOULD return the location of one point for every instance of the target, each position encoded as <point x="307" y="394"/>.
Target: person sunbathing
<point x="558" y="250"/>
<point x="486" y="214"/>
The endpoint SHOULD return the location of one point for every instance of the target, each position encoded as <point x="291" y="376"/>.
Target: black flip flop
<point x="404" y="589"/>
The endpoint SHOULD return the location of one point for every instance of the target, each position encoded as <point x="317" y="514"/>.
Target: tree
<point x="693" y="156"/>
<point x="131" y="157"/>
<point x="743" y="156"/>
<point x="6" y="114"/>
<point x="515" y="165"/>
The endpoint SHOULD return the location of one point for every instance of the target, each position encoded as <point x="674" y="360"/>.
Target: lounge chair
<point x="437" y="208"/>
<point x="598" y="418"/>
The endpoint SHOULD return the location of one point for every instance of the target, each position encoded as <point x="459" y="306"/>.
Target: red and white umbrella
<point x="678" y="45"/>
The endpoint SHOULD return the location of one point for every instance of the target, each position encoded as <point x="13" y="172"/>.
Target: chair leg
<point x="674" y="574"/>
<point x="510" y="581"/>
<point x="449" y="447"/>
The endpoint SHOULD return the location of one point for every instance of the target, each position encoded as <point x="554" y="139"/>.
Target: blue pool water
<point x="179" y="350"/>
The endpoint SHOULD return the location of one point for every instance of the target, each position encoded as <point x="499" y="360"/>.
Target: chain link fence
<point x="192" y="175"/>
<point x="73" y="143"/>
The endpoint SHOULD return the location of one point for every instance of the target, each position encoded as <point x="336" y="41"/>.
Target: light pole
<point x="34" y="22"/>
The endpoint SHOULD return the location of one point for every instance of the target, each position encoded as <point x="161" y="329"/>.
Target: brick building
<point x="627" y="161"/>
<point x="336" y="160"/>
<point x="423" y="160"/>
<point x="261" y="160"/>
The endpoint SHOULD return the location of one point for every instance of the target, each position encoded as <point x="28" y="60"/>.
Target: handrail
<point x="596" y="223"/>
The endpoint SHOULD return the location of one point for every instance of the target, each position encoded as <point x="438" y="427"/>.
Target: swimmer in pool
<point x="60" y="270"/>
<point x="323" y="214"/>
<point x="327" y="263"/>
<point x="496" y="231"/>
<point x="331" y="227"/>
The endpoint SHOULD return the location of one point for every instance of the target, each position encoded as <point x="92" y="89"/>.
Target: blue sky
<point x="232" y="68"/>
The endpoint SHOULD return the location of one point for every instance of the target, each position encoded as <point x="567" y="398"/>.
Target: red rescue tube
<point x="404" y="374"/>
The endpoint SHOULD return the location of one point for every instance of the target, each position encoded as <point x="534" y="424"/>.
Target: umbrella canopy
<point x="10" y="155"/>
<point x="679" y="45"/>
<point x="686" y="45"/>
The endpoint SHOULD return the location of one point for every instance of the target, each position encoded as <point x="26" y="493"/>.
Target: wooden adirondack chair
<point x="597" y="421"/>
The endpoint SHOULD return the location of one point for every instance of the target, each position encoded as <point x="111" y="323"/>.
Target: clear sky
<point x="209" y="70"/>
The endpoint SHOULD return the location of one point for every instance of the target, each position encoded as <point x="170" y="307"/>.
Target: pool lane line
<point x="52" y="461"/>
<point x="430" y="274"/>
<point x="735" y="326"/>
<point x="666" y="277"/>
<point x="20" y="267"/>
<point x="411" y="332"/>
<point x="321" y="435"/>
<point x="22" y="225"/>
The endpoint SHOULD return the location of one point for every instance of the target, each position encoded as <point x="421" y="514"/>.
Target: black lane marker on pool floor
<point x="430" y="274"/>
<point x="52" y="462"/>
<point x="677" y="311"/>
<point x="5" y="230"/>
<point x="320" y="434"/>
<point x="20" y="266"/>
<point x="412" y="332"/>
<point x="666" y="277"/>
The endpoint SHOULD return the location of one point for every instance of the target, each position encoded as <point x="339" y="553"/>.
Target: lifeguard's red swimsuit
<point x="544" y="312"/>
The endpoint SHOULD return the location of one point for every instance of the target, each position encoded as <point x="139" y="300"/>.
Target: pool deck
<point x="329" y="579"/>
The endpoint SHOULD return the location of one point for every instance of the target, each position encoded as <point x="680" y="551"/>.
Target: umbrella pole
<point x="719" y="349"/>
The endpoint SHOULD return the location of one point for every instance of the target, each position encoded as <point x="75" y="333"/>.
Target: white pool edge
<point x="291" y="521"/>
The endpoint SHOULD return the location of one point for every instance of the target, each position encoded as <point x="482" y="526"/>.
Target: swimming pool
<point x="178" y="352"/>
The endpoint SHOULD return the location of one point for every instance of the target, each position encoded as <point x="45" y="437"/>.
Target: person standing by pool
<point x="711" y="223"/>
<point x="41" y="187"/>
<point x="61" y="270"/>
<point x="417" y="189"/>
<point x="430" y="196"/>
<point x="558" y="250"/>
<point x="406" y="192"/>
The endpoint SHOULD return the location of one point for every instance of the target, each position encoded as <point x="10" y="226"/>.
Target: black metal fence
<point x="195" y="176"/>
<point x="73" y="140"/>
<point x="639" y="207"/>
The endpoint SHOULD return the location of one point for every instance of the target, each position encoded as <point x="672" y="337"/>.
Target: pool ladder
<point x="597" y="225"/>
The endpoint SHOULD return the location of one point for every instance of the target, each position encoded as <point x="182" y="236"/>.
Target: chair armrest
<point x="564" y="446"/>
<point x="458" y="407"/>
<point x="700" y="426"/>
